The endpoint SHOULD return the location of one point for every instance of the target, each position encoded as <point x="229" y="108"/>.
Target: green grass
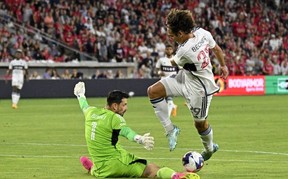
<point x="44" y="138"/>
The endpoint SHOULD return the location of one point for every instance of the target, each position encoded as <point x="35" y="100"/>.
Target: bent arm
<point x="220" y="57"/>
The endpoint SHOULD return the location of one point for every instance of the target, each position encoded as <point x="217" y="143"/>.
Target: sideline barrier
<point x="64" y="88"/>
<point x="233" y="86"/>
<point x="252" y="85"/>
<point x="276" y="84"/>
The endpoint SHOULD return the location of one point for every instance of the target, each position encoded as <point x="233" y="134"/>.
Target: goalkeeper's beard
<point x="122" y="113"/>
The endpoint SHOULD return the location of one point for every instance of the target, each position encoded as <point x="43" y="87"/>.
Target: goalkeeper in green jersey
<point x="103" y="126"/>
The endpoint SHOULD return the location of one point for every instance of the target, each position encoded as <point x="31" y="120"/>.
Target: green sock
<point x="165" y="172"/>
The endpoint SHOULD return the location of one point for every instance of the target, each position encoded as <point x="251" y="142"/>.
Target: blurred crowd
<point x="253" y="34"/>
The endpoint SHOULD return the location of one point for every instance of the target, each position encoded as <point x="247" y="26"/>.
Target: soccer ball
<point x="192" y="161"/>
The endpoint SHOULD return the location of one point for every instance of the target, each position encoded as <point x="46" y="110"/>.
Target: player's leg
<point x="86" y="163"/>
<point x="157" y="93"/>
<point x="206" y="134"/>
<point x="170" y="105"/>
<point x="17" y="85"/>
<point x="199" y="107"/>
<point x="166" y="172"/>
<point x="172" y="108"/>
<point x="15" y="96"/>
<point x="115" y="168"/>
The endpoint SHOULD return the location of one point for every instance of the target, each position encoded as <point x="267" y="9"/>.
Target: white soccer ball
<point x="131" y="93"/>
<point x="193" y="161"/>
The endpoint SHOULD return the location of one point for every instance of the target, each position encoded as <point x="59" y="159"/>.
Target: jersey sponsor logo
<point x="95" y="116"/>
<point x="256" y="84"/>
<point x="242" y="85"/>
<point x="18" y="67"/>
<point x="282" y="85"/>
<point x="168" y="68"/>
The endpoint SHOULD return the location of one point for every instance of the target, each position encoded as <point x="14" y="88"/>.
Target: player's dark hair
<point x="116" y="96"/>
<point x="180" y="20"/>
<point x="168" y="45"/>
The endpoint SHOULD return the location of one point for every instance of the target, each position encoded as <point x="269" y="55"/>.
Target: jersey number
<point x="203" y="55"/>
<point x="195" y="111"/>
<point x="93" y="130"/>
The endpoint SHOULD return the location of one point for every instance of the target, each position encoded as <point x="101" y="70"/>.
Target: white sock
<point x="161" y="110"/>
<point x="15" y="98"/>
<point x="207" y="139"/>
<point x="170" y="105"/>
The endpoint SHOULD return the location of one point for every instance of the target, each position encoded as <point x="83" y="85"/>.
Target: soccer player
<point x="166" y="69"/>
<point x="19" y="69"/>
<point x="103" y="127"/>
<point x="195" y="82"/>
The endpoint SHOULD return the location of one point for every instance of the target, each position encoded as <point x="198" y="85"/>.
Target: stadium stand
<point x="253" y="34"/>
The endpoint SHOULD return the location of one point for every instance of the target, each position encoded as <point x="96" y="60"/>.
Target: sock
<point x="207" y="139"/>
<point x="15" y="97"/>
<point x="170" y="105"/>
<point x="165" y="172"/>
<point x="161" y="110"/>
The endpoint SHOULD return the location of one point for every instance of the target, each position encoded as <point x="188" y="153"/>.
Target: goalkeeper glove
<point x="79" y="89"/>
<point x="146" y="140"/>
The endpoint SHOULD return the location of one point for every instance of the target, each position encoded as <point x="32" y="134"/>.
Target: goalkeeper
<point x="103" y="126"/>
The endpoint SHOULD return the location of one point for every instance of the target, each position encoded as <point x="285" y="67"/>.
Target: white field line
<point x="161" y="158"/>
<point x="158" y="148"/>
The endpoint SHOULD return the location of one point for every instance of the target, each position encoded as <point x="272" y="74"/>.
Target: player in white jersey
<point x="195" y="82"/>
<point x="19" y="69"/>
<point x="166" y="69"/>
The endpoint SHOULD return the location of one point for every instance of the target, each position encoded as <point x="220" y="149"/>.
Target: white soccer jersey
<point x="18" y="68"/>
<point x="164" y="64"/>
<point x="196" y="50"/>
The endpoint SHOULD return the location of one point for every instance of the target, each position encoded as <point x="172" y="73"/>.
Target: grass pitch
<point x="44" y="138"/>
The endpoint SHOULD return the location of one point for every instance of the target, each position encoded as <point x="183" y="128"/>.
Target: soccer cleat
<point x="14" y="106"/>
<point x="174" y="111"/>
<point x="207" y="154"/>
<point x="87" y="164"/>
<point x="172" y="138"/>
<point x="185" y="176"/>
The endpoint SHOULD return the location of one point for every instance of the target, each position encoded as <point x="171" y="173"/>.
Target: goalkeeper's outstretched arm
<point x="79" y="92"/>
<point x="146" y="140"/>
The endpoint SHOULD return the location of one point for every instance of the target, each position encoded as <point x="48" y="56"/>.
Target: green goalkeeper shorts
<point x="128" y="165"/>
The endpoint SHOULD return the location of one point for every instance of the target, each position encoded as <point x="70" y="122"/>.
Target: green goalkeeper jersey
<point x="102" y="129"/>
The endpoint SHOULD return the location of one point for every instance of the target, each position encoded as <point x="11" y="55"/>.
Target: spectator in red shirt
<point x="268" y="68"/>
<point x="69" y="39"/>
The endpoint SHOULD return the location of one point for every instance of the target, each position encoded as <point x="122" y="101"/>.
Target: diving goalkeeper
<point x="103" y="126"/>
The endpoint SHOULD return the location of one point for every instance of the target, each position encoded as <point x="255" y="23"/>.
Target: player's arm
<point x="26" y="72"/>
<point x="8" y="72"/>
<point x="146" y="140"/>
<point x="79" y="92"/>
<point x="220" y="57"/>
